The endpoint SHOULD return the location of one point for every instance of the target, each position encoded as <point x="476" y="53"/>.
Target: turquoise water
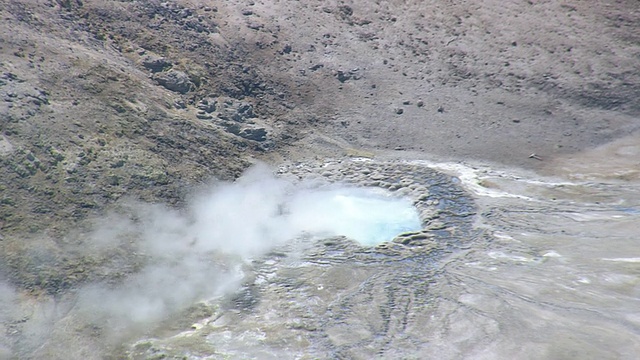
<point x="368" y="216"/>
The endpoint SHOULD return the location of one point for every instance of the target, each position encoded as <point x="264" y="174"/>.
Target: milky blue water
<point x="369" y="216"/>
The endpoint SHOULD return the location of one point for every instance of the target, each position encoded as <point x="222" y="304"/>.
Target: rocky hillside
<point x="98" y="102"/>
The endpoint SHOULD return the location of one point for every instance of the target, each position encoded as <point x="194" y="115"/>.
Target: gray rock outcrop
<point x="207" y="105"/>
<point x="174" y="80"/>
<point x="155" y="63"/>
<point x="237" y="111"/>
<point x="253" y="133"/>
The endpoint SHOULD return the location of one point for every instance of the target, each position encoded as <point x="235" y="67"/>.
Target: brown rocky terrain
<point x="103" y="101"/>
<point x="103" y="98"/>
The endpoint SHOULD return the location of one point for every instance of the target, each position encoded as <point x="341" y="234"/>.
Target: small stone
<point x="207" y="105"/>
<point x="6" y="147"/>
<point x="253" y="133"/>
<point x="155" y="63"/>
<point x="399" y="111"/>
<point x="174" y="80"/>
<point x="180" y="104"/>
<point x="343" y="76"/>
<point x="420" y="103"/>
<point x="203" y="115"/>
<point x="253" y="25"/>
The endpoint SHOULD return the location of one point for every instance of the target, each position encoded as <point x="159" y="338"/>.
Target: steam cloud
<point x="187" y="252"/>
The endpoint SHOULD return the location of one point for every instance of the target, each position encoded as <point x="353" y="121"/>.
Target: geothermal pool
<point x="368" y="215"/>
<point x="493" y="263"/>
<point x="509" y="265"/>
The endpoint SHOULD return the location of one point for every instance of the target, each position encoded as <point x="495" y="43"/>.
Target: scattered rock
<point x="344" y="12"/>
<point x="254" y="25"/>
<point x="287" y="49"/>
<point x="201" y="114"/>
<point x="353" y="74"/>
<point x="249" y="132"/>
<point x="420" y="103"/>
<point x="174" y="80"/>
<point x="236" y="111"/>
<point x="6" y="147"/>
<point x="399" y="111"/>
<point x="245" y="110"/>
<point x="207" y="105"/>
<point x="180" y="104"/>
<point x="155" y="63"/>
<point x="255" y="134"/>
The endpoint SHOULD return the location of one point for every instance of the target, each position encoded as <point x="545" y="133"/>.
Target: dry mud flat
<point x="333" y="298"/>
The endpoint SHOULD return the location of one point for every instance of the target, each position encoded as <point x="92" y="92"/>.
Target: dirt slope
<point x="493" y="81"/>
